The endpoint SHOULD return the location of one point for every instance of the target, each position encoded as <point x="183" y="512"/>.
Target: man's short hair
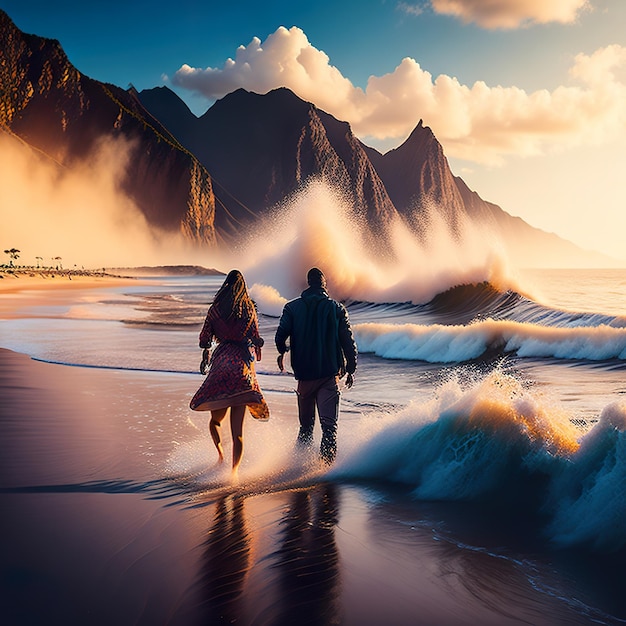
<point x="316" y="278"/>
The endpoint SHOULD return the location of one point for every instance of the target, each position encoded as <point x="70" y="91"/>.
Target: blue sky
<point x="526" y="96"/>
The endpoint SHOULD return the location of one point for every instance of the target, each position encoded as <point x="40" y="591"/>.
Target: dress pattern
<point x="231" y="379"/>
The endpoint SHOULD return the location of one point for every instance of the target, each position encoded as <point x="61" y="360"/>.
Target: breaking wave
<point x="498" y="445"/>
<point x="437" y="343"/>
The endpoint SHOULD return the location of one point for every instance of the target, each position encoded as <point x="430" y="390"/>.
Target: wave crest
<point x="498" y="445"/>
<point x="438" y="343"/>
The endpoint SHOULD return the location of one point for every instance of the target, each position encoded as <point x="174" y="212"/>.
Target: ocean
<point x="481" y="463"/>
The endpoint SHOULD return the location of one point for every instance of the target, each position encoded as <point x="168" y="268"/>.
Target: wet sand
<point x="114" y="512"/>
<point x="98" y="529"/>
<point x="22" y="289"/>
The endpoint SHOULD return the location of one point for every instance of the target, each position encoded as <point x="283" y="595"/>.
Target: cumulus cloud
<point x="285" y="58"/>
<point x="509" y="14"/>
<point x="476" y="122"/>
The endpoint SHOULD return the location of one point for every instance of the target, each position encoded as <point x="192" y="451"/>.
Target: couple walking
<point x="314" y="327"/>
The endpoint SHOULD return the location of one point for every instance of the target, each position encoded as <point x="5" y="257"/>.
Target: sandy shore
<point x="20" y="289"/>
<point x="99" y="525"/>
<point x="23" y="279"/>
<point x="115" y="512"/>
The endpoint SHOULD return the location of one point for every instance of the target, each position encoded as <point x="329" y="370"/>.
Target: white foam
<point x="439" y="343"/>
<point x="317" y="227"/>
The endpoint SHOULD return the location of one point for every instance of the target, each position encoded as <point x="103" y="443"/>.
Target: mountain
<point x="266" y="146"/>
<point x="213" y="177"/>
<point x="163" y="104"/>
<point x="262" y="148"/>
<point x="48" y="104"/>
<point x="418" y="178"/>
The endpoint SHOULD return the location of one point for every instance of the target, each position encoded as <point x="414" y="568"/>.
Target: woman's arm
<point x="207" y="333"/>
<point x="257" y="341"/>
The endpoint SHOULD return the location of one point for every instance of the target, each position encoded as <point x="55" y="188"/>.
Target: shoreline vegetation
<point x="16" y="278"/>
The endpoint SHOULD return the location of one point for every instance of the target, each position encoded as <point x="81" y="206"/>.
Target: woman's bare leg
<point x="214" y="428"/>
<point x="236" y="429"/>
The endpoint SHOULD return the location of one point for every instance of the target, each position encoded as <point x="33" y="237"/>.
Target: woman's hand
<point x="204" y="364"/>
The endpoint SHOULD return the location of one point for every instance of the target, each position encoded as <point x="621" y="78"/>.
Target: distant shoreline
<point x="167" y="270"/>
<point x="28" y="277"/>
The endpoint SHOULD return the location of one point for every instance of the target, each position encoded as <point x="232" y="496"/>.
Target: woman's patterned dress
<point x="231" y="379"/>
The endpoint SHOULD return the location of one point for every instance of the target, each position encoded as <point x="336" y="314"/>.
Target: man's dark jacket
<point x="321" y="340"/>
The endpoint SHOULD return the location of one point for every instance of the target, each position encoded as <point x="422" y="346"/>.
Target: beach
<point x="115" y="512"/>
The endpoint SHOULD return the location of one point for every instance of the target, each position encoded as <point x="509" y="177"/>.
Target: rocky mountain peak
<point x="259" y="150"/>
<point x="54" y="108"/>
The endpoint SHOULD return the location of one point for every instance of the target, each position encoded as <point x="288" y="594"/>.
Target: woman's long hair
<point x="232" y="299"/>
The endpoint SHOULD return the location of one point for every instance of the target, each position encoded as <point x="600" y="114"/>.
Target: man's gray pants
<point x="323" y="393"/>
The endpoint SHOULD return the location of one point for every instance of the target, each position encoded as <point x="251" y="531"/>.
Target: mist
<point x="80" y="213"/>
<point x="315" y="228"/>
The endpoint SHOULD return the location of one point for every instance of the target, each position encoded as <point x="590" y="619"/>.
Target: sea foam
<point x="439" y="343"/>
<point x="499" y="445"/>
<point x="317" y="227"/>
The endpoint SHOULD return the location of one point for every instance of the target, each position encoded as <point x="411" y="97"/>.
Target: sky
<point x="527" y="97"/>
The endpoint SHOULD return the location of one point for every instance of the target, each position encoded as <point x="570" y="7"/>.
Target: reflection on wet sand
<point x="473" y="568"/>
<point x="307" y="560"/>
<point x="226" y="563"/>
<point x="274" y="558"/>
<point x="297" y="581"/>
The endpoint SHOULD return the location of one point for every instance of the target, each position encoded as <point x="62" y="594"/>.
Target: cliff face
<point x="419" y="180"/>
<point x="259" y="149"/>
<point x="50" y="105"/>
<point x="262" y="148"/>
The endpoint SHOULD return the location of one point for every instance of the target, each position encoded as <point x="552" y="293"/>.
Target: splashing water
<point x="315" y="228"/>
<point x="456" y="445"/>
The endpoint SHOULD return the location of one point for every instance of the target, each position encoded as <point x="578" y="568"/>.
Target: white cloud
<point x="478" y="123"/>
<point x="509" y="14"/>
<point x="410" y="9"/>
<point x="285" y="58"/>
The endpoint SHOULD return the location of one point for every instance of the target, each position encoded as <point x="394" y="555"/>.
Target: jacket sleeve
<point x="283" y="332"/>
<point x="346" y="339"/>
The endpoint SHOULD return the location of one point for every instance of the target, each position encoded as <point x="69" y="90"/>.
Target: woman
<point x="231" y="381"/>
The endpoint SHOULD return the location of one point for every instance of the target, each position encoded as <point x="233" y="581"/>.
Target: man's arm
<point x="348" y="345"/>
<point x="283" y="332"/>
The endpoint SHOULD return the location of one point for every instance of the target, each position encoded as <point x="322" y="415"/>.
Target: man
<point x="322" y="351"/>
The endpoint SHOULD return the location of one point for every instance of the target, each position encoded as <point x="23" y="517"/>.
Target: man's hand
<point x="349" y="381"/>
<point x="279" y="362"/>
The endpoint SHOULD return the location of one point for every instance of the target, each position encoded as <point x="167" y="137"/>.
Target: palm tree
<point x="14" y="254"/>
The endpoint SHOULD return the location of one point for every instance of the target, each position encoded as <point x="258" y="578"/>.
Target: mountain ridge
<point x="412" y="181"/>
<point x="212" y="178"/>
<point x="54" y="108"/>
